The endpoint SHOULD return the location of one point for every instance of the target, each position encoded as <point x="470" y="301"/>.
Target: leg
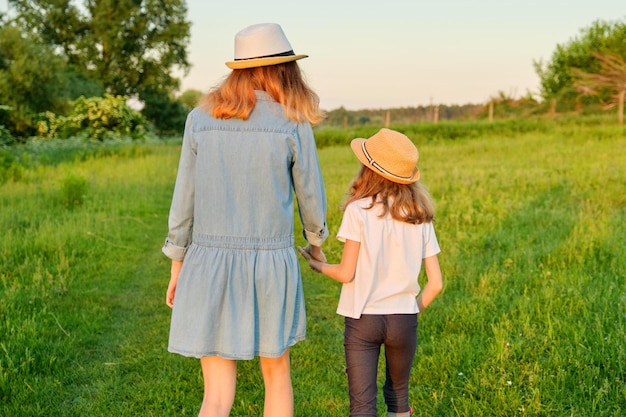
<point x="400" y="345"/>
<point x="362" y="341"/>
<point x="220" y="377"/>
<point x="278" y="391"/>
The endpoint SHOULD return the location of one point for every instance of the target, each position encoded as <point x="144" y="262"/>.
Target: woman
<point x="235" y="285"/>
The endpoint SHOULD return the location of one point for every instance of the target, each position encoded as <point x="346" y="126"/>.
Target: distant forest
<point x="402" y="115"/>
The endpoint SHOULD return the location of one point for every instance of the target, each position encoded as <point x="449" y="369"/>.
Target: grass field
<point x="532" y="319"/>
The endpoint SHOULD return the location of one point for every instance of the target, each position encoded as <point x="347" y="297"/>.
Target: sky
<point x="400" y="53"/>
<point x="366" y="54"/>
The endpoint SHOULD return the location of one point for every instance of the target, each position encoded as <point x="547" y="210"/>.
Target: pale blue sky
<point x="394" y="53"/>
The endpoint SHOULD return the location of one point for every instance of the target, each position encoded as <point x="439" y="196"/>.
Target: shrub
<point x="5" y="137"/>
<point x="98" y="118"/>
<point x="73" y="190"/>
<point x="6" y="162"/>
<point x="10" y="168"/>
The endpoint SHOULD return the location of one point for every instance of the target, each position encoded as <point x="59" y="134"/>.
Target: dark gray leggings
<point x="362" y="341"/>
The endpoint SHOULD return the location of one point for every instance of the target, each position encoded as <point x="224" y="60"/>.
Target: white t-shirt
<point x="390" y="259"/>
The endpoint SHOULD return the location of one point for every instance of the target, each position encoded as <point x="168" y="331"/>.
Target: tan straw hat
<point x="261" y="45"/>
<point x="390" y="154"/>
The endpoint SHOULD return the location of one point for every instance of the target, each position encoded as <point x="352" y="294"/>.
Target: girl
<point x="387" y="229"/>
<point x="235" y="285"/>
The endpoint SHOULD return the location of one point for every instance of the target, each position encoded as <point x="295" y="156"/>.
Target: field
<point x="532" y="319"/>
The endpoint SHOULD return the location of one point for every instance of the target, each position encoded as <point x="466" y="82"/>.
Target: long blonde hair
<point x="235" y="97"/>
<point x="410" y="203"/>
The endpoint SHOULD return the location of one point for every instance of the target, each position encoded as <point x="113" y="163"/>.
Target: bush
<point x="5" y="137"/>
<point x="6" y="161"/>
<point x="10" y="169"/>
<point x="73" y="190"/>
<point x="98" y="118"/>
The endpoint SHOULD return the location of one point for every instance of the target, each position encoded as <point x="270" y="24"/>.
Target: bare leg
<point x="278" y="390"/>
<point x="220" y="377"/>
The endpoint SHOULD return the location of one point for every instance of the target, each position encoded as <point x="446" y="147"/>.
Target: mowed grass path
<point x="532" y="320"/>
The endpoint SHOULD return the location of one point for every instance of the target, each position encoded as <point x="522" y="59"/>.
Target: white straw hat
<point x="261" y="45"/>
<point x="390" y="154"/>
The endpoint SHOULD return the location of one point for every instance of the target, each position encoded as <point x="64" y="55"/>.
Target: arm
<point x="171" y="288"/>
<point x="433" y="286"/>
<point x="308" y="185"/>
<point x="342" y="272"/>
<point x="180" y="220"/>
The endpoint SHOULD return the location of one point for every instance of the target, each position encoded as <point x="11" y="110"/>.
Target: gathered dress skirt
<point x="238" y="298"/>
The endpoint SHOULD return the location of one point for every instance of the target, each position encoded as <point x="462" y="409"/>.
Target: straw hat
<point x="261" y="45"/>
<point x="390" y="154"/>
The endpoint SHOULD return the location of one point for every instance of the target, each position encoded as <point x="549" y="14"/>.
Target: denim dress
<point x="231" y="222"/>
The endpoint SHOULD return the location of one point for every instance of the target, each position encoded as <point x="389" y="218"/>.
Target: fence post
<point x="552" y="106"/>
<point x="620" y="107"/>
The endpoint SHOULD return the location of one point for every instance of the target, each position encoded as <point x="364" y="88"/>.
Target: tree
<point x="164" y="112"/>
<point x="79" y="85"/>
<point x="127" y="46"/>
<point x="556" y="76"/>
<point x="610" y="78"/>
<point x="31" y="81"/>
<point x="339" y="117"/>
<point x="190" y="98"/>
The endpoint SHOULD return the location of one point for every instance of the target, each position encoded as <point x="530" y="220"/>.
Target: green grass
<point x="532" y="319"/>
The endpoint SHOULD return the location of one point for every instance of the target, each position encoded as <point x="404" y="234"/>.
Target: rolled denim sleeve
<point x="180" y="222"/>
<point x="309" y="187"/>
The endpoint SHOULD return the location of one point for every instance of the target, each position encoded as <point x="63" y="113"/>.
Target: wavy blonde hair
<point x="234" y="97"/>
<point x="410" y="203"/>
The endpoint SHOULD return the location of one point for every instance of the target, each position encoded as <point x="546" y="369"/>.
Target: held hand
<point x="315" y="264"/>
<point x="316" y="253"/>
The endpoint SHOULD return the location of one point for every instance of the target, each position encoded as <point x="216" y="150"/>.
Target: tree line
<point x="59" y="58"/>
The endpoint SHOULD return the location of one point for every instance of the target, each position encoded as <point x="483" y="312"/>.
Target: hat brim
<point x="263" y="62"/>
<point x="357" y="148"/>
